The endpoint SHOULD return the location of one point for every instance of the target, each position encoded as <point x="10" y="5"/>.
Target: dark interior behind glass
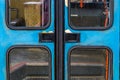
<point x="89" y="64"/>
<point x="29" y="13"/>
<point x="29" y="64"/>
<point x="89" y="13"/>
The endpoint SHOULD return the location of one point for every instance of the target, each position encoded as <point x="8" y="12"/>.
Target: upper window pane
<point x="87" y="14"/>
<point x="29" y="13"/>
<point x="29" y="64"/>
<point x="89" y="64"/>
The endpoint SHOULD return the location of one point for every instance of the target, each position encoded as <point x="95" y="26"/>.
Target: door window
<point x="29" y="63"/>
<point x="89" y="64"/>
<point x="28" y="13"/>
<point x="90" y="14"/>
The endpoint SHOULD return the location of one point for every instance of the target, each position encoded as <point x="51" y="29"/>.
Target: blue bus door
<point x="91" y="50"/>
<point x="27" y="40"/>
<point x="59" y="40"/>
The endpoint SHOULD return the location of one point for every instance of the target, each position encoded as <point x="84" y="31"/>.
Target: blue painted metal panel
<point x="108" y="38"/>
<point x="10" y="38"/>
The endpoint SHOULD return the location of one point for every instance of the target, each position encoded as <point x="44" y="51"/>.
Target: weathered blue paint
<point x="108" y="38"/>
<point x="10" y="38"/>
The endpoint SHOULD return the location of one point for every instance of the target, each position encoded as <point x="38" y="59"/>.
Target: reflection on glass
<point x="29" y="13"/>
<point x="89" y="64"/>
<point x="89" y="13"/>
<point x="29" y="64"/>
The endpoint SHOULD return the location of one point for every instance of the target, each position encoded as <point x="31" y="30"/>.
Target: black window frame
<point x="25" y="27"/>
<point x="110" y="74"/>
<point x="27" y="46"/>
<point x="93" y="28"/>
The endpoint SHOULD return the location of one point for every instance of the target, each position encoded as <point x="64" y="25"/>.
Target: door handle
<point x="50" y="37"/>
<point x="72" y="37"/>
<point x="46" y="37"/>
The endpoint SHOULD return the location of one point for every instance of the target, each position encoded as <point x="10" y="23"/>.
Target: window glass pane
<point x="29" y="64"/>
<point x="89" y="64"/>
<point x="29" y="13"/>
<point x="90" y="13"/>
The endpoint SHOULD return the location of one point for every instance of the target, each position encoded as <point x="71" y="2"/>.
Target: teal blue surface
<point x="108" y="38"/>
<point x="10" y="38"/>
